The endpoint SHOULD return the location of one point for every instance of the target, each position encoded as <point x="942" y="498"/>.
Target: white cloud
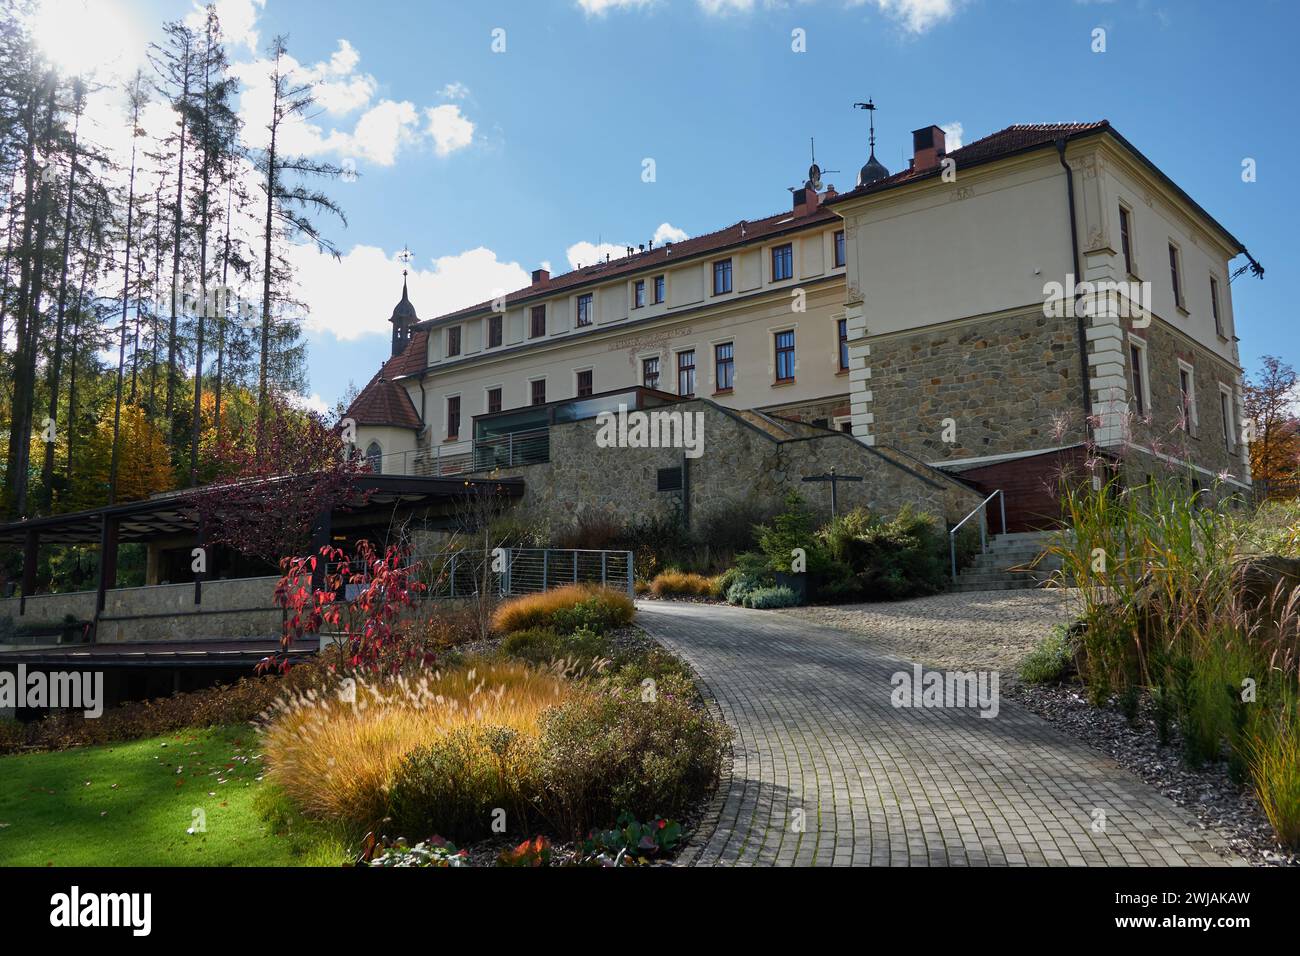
<point x="951" y="136"/>
<point x="669" y="233"/>
<point x="600" y="7"/>
<point x="238" y="20"/>
<point x="917" y="16"/>
<point x="450" y="130"/>
<point x="353" y="297"/>
<point x="454" y="91"/>
<point x="589" y="253"/>
<point x="311" y="403"/>
<point x="383" y="130"/>
<point x="720" y="7"/>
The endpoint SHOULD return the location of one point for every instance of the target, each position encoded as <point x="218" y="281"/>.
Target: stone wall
<point x="1159" y="428"/>
<point x="1005" y="382"/>
<point x="242" y="607"/>
<point x="743" y="468"/>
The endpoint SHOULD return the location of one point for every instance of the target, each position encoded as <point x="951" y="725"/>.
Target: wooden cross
<point x="835" y="480"/>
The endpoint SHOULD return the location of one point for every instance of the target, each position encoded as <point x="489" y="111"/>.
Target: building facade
<point x="1043" y="290"/>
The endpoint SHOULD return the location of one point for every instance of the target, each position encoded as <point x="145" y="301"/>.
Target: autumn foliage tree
<point x="280" y="477"/>
<point x="1270" y="403"/>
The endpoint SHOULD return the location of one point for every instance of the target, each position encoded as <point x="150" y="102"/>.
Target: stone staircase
<point x="991" y="571"/>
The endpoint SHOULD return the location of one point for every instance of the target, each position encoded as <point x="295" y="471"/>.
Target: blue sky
<point x="712" y="91"/>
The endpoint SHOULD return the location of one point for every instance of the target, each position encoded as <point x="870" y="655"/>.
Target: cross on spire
<point x="405" y="257"/>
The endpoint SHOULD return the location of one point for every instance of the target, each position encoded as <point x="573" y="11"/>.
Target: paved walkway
<point x="826" y="771"/>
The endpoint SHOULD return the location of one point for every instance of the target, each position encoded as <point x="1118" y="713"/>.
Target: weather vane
<point x="870" y="107"/>
<point x="405" y="257"/>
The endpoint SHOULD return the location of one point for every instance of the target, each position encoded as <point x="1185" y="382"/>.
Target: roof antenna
<point x="814" y="171"/>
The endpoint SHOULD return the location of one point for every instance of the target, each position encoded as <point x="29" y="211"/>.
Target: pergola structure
<point x="175" y="514"/>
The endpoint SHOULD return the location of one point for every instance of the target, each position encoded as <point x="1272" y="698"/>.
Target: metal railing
<point x="458" y="458"/>
<point x="511" y="571"/>
<point x="540" y="569"/>
<point x="513" y="448"/>
<point x="980" y="509"/>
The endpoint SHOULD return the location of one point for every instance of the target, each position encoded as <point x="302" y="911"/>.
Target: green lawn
<point x="133" y="803"/>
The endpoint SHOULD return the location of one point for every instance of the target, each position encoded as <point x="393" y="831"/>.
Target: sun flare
<point x="86" y="36"/>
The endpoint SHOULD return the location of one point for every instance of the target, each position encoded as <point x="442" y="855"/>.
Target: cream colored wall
<point x="749" y="316"/>
<point x="935" y="252"/>
<point x="614" y="355"/>
<point x="391" y="440"/>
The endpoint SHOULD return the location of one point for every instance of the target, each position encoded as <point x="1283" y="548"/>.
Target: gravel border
<point x="1217" y="802"/>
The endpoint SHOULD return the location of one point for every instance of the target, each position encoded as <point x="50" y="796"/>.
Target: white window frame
<point x="1227" y="405"/>
<point x="1139" y="343"/>
<point x="446" y="415"/>
<point x="1193" y="418"/>
<point x="579" y="371"/>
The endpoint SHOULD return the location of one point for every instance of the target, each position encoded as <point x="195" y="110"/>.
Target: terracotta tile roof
<point x="737" y="234"/>
<point x="384" y="402"/>
<point x="1013" y="139"/>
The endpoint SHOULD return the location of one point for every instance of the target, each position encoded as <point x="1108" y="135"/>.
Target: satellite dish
<point x="815" y="176"/>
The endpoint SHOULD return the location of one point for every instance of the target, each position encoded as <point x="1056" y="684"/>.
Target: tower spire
<point x="874" y="169"/>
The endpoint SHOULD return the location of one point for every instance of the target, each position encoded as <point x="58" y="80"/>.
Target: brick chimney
<point x="540" y="276"/>
<point x="806" y="201"/>
<point x="927" y="147"/>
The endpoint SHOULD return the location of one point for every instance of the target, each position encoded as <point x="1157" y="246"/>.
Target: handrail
<point x="466" y="455"/>
<point x="980" y="509"/>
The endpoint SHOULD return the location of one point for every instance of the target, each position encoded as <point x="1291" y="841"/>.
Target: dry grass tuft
<point x="336" y="757"/>
<point x="540" y="609"/>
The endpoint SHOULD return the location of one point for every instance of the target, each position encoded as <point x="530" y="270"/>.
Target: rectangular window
<point x="1214" y="307"/>
<point x="584" y="310"/>
<point x="650" y="372"/>
<point x="539" y="391"/>
<point x="782" y="262"/>
<point x="669" y="479"/>
<point x="841" y="255"/>
<point x="842" y="330"/>
<point x="1126" y="240"/>
<point x="494" y="331"/>
<point x="453" y="417"/>
<point x="638" y="294"/>
<point x="1229" y="429"/>
<point x="584" y="383"/>
<point x="493" y="400"/>
<point x="785" y="356"/>
<point x="659" y="289"/>
<point x="453" y="341"/>
<point x="1176" y="282"/>
<point x="724" y="360"/>
<point x="686" y="372"/>
<point x="722" y="276"/>
<point x="1139" y="383"/>
<point x="1187" y="395"/>
<point x="537" y="322"/>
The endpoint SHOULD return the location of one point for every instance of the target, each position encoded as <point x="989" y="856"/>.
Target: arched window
<point x="375" y="456"/>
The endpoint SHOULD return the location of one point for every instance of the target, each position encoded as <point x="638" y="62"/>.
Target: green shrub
<point x="617" y="753"/>
<point x="868" y="557"/>
<point x="1050" y="661"/>
<point x="453" y="785"/>
<point x="741" y="587"/>
<point x="1273" y="757"/>
<point x="541" y="645"/>
<point x="765" y="598"/>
